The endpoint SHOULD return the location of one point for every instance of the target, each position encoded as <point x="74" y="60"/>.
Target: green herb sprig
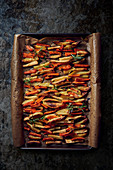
<point x="76" y="57"/>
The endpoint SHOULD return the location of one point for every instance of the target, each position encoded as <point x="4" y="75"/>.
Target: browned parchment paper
<point x="95" y="112"/>
<point x="93" y="45"/>
<point x="17" y="89"/>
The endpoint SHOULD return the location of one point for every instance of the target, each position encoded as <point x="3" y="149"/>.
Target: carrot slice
<point x="31" y="92"/>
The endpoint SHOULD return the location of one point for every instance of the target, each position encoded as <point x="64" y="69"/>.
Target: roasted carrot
<point x="29" y="110"/>
<point x="35" y="134"/>
<point x="28" y="104"/>
<point x="66" y="67"/>
<point x="30" y="71"/>
<point x="39" y="99"/>
<point x="54" y="52"/>
<point x="78" y="83"/>
<point x="28" y="55"/>
<point x="77" y="138"/>
<point x="46" y="131"/>
<point x="27" y="86"/>
<point x="26" y="128"/>
<point x="81" y="79"/>
<point x="36" y="80"/>
<point x="78" y="104"/>
<point x="46" y="45"/>
<point x="48" y="112"/>
<point x="48" y="77"/>
<point x="33" y="142"/>
<point x="69" y="53"/>
<point x="32" y="92"/>
<point x="28" y="47"/>
<point x="76" y="113"/>
<point x="48" y="139"/>
<point x="81" y="65"/>
<point x="44" y="106"/>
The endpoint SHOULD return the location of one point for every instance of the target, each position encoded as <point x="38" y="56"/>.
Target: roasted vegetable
<point x="56" y="79"/>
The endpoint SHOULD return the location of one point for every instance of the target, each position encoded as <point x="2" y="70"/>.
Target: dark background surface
<point x="61" y="16"/>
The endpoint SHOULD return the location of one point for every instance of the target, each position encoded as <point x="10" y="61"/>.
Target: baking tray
<point x="93" y="46"/>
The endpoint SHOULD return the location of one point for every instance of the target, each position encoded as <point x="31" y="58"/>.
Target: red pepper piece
<point x="30" y="71"/>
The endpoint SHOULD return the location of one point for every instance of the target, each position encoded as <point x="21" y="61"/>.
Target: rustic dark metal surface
<point x="42" y="16"/>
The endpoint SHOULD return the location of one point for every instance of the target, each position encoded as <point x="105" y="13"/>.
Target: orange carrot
<point x="44" y="106"/>
<point x="69" y="53"/>
<point x="78" y="83"/>
<point x="81" y="79"/>
<point x="54" y="52"/>
<point x="39" y="100"/>
<point x="30" y="110"/>
<point x="40" y="87"/>
<point x="76" y="113"/>
<point x="48" y="112"/>
<point x="26" y="128"/>
<point x="28" y="104"/>
<point x="48" y="139"/>
<point x="28" y="86"/>
<point x="36" y="80"/>
<point x="81" y="65"/>
<point x="35" y="134"/>
<point x="66" y="67"/>
<point x="30" y="71"/>
<point x="77" y="138"/>
<point x="28" y="47"/>
<point x="28" y="55"/>
<point x="31" y="92"/>
<point x="46" y="45"/>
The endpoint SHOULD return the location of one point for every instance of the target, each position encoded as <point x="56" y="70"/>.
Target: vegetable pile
<point x="56" y="86"/>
